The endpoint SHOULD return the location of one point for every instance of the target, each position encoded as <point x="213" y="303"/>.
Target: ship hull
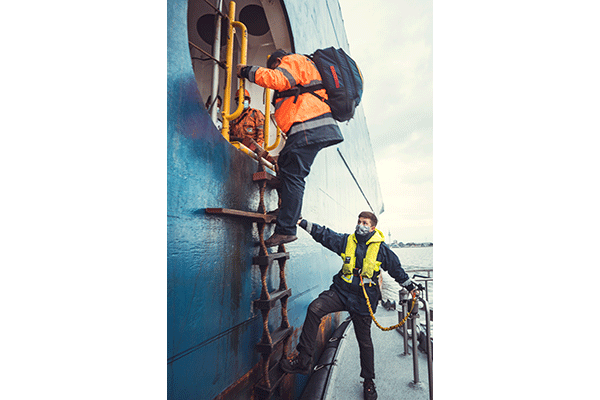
<point x="212" y="327"/>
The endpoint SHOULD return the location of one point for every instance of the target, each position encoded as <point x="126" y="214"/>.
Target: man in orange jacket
<point x="308" y="124"/>
<point x="250" y="123"/>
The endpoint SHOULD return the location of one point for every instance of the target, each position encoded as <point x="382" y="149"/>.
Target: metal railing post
<point x="429" y="349"/>
<point x="217" y="56"/>
<point x="402" y="296"/>
<point x="413" y="319"/>
<point x="415" y="340"/>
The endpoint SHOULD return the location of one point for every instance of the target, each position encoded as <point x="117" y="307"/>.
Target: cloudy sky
<point x="393" y="46"/>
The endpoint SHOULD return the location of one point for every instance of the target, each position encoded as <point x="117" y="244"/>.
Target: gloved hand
<point x="307" y="226"/>
<point x="411" y="286"/>
<point x="242" y="70"/>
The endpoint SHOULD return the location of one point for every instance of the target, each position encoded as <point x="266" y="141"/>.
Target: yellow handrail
<point x="268" y="123"/>
<point x="252" y="154"/>
<point x="229" y="61"/>
<point x="277" y="140"/>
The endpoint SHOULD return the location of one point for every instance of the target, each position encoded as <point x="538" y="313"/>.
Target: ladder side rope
<point x="266" y="337"/>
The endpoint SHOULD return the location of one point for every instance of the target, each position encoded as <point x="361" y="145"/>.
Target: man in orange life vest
<point x="250" y="123"/>
<point x="308" y="124"/>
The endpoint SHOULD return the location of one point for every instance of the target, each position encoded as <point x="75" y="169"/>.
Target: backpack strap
<point x="298" y="90"/>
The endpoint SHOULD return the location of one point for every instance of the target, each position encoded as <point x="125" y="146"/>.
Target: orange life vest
<point x="249" y="124"/>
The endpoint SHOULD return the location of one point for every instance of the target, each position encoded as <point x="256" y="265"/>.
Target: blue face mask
<point x="362" y="230"/>
<point x="246" y="104"/>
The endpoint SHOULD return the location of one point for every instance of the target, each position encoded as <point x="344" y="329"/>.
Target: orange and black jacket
<point x="305" y="119"/>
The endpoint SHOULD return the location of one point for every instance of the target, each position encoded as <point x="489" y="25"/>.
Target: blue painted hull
<point x="211" y="282"/>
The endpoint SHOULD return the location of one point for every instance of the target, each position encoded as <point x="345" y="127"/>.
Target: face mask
<point x="246" y="104"/>
<point x="218" y="110"/>
<point x="362" y="230"/>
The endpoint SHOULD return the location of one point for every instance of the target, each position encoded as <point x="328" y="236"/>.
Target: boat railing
<point x="405" y="300"/>
<point x="421" y="278"/>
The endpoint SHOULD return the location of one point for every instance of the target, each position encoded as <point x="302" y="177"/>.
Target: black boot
<point x="369" y="389"/>
<point x="298" y="364"/>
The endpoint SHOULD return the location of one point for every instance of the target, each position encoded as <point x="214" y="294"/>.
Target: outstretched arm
<point x="334" y="241"/>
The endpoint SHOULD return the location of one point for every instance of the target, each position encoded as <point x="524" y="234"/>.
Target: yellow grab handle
<point x="229" y="60"/>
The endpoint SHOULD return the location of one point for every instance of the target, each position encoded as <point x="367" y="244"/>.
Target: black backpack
<point x="341" y="79"/>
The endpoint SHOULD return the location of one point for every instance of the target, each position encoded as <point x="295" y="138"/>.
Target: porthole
<point x="254" y="18"/>
<point x="206" y="29"/>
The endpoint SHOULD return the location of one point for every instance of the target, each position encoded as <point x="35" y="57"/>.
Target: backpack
<point x="342" y="80"/>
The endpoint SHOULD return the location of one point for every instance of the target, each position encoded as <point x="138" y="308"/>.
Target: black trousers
<point x="329" y="302"/>
<point x="294" y="166"/>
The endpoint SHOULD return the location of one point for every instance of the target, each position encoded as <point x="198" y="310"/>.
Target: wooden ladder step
<point x="271" y="179"/>
<point x="277" y="336"/>
<point x="253" y="216"/>
<point x="274" y="297"/>
<point x="276" y="375"/>
<point x="268" y="259"/>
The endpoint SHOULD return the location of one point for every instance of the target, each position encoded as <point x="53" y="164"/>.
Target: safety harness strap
<point x="298" y="90"/>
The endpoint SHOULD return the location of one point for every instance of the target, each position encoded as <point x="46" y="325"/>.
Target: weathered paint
<point x="211" y="282"/>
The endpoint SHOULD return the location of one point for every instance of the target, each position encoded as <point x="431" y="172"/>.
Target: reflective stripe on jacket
<point x="295" y="69"/>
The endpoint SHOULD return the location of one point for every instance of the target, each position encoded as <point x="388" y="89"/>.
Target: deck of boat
<point x="393" y="370"/>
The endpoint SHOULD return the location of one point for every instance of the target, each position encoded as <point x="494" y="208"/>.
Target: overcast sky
<point x="393" y="46"/>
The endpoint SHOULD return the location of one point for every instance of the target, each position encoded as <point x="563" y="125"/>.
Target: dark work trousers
<point x="329" y="302"/>
<point x="294" y="166"/>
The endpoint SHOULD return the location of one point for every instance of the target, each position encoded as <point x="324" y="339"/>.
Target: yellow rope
<point x="373" y="316"/>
